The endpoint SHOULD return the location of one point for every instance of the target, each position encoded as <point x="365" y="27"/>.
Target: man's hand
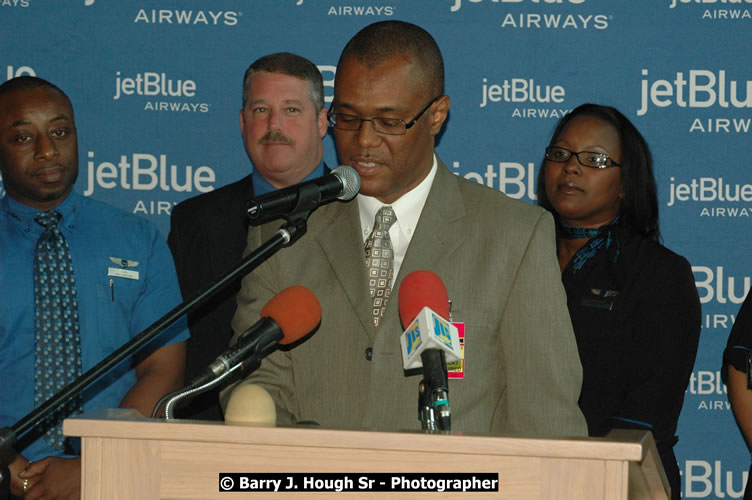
<point x="53" y="478"/>
<point x="16" y="484"/>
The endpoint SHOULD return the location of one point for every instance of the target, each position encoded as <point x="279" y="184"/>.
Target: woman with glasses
<point x="633" y="303"/>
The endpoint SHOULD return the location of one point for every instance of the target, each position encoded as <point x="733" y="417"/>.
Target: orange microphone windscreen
<point x="296" y="310"/>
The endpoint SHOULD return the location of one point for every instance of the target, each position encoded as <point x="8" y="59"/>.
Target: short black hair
<point x="639" y="208"/>
<point x="30" y="82"/>
<point x="384" y="40"/>
<point x="292" y="65"/>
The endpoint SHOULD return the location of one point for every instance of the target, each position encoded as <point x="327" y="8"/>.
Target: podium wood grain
<point x="127" y="456"/>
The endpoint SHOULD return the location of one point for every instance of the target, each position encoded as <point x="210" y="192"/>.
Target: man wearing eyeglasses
<point x="521" y="370"/>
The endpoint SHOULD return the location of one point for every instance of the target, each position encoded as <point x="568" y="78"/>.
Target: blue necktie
<point x="57" y="341"/>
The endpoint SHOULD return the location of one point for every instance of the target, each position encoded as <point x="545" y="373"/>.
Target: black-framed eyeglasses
<point x="388" y="126"/>
<point x="585" y="158"/>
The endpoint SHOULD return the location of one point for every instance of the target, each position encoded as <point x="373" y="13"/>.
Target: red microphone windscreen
<point x="422" y="289"/>
<point x="296" y="310"/>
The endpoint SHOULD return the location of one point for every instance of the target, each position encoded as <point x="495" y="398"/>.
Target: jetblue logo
<point x="712" y="284"/>
<point x="715" y="191"/>
<point x="188" y="17"/>
<point x="458" y="3"/>
<point x="532" y="99"/>
<point x="20" y="71"/>
<point x="518" y="90"/>
<point x="153" y="84"/>
<point x="706" y="383"/>
<point x="703" y="479"/>
<point x="516" y="180"/>
<point x="719" y="12"/>
<point x="360" y="10"/>
<point x="547" y="20"/>
<point x="163" y="89"/>
<point x="555" y="21"/>
<point x="698" y="88"/>
<point x="674" y="3"/>
<point x="708" y="189"/>
<point x="146" y="172"/>
<point x="328" y="72"/>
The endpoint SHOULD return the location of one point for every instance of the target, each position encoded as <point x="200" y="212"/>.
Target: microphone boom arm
<point x="294" y="228"/>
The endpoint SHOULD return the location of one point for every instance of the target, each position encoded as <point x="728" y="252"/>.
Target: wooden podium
<point x="126" y="456"/>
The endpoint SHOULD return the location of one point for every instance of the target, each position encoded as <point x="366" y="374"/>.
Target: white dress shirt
<point x="407" y="210"/>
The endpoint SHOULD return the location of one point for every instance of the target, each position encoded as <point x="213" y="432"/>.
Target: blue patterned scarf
<point x="599" y="238"/>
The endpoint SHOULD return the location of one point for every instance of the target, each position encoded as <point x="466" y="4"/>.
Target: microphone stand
<point x="289" y="233"/>
<point x="192" y="390"/>
<point x="433" y="393"/>
<point x="426" y="414"/>
<point x="225" y="374"/>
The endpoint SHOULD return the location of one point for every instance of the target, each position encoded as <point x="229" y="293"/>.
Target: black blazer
<point x="208" y="236"/>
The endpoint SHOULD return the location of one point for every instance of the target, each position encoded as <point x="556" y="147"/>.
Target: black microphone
<point x="290" y="315"/>
<point x="343" y="183"/>
<point x="427" y="341"/>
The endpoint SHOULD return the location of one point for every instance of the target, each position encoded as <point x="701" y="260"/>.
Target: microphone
<point x="429" y="341"/>
<point x="250" y="404"/>
<point x="424" y="308"/>
<point x="343" y="183"/>
<point x="286" y="318"/>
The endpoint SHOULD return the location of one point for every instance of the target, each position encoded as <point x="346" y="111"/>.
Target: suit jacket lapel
<point x="341" y="242"/>
<point x="439" y="229"/>
<point x="437" y="237"/>
<point x="230" y="217"/>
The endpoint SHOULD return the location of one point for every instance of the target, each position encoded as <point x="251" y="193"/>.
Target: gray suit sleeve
<point x="539" y="351"/>
<point x="275" y="373"/>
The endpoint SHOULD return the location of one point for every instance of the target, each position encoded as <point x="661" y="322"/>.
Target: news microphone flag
<point x="429" y="331"/>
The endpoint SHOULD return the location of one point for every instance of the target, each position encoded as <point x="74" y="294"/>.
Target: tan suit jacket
<point x="495" y="255"/>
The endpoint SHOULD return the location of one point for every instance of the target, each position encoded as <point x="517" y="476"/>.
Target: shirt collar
<point x="407" y="208"/>
<point x="26" y="214"/>
<point x="262" y="186"/>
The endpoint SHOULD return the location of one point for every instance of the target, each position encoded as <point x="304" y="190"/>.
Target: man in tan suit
<point x="496" y="255"/>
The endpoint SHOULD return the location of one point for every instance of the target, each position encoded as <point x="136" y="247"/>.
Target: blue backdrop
<point x="156" y="87"/>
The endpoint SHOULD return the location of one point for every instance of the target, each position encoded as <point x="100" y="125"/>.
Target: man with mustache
<point x="79" y="279"/>
<point x="282" y="122"/>
<point x="521" y="371"/>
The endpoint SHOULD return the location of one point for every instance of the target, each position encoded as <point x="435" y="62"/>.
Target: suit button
<point x="369" y="353"/>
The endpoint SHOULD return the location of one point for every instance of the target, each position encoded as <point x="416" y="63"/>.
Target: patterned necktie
<point x="380" y="261"/>
<point x="57" y="342"/>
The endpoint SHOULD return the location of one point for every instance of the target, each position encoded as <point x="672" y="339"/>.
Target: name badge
<point x="600" y="299"/>
<point x="122" y="273"/>
<point x="456" y="370"/>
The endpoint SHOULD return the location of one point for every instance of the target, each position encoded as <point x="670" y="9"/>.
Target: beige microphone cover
<point x="250" y="404"/>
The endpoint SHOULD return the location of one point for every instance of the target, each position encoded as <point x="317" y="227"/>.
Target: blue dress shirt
<point x="262" y="186"/>
<point x="125" y="280"/>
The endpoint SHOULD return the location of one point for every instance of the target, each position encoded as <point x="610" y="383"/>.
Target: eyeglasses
<point x="585" y="158"/>
<point x="388" y="126"/>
